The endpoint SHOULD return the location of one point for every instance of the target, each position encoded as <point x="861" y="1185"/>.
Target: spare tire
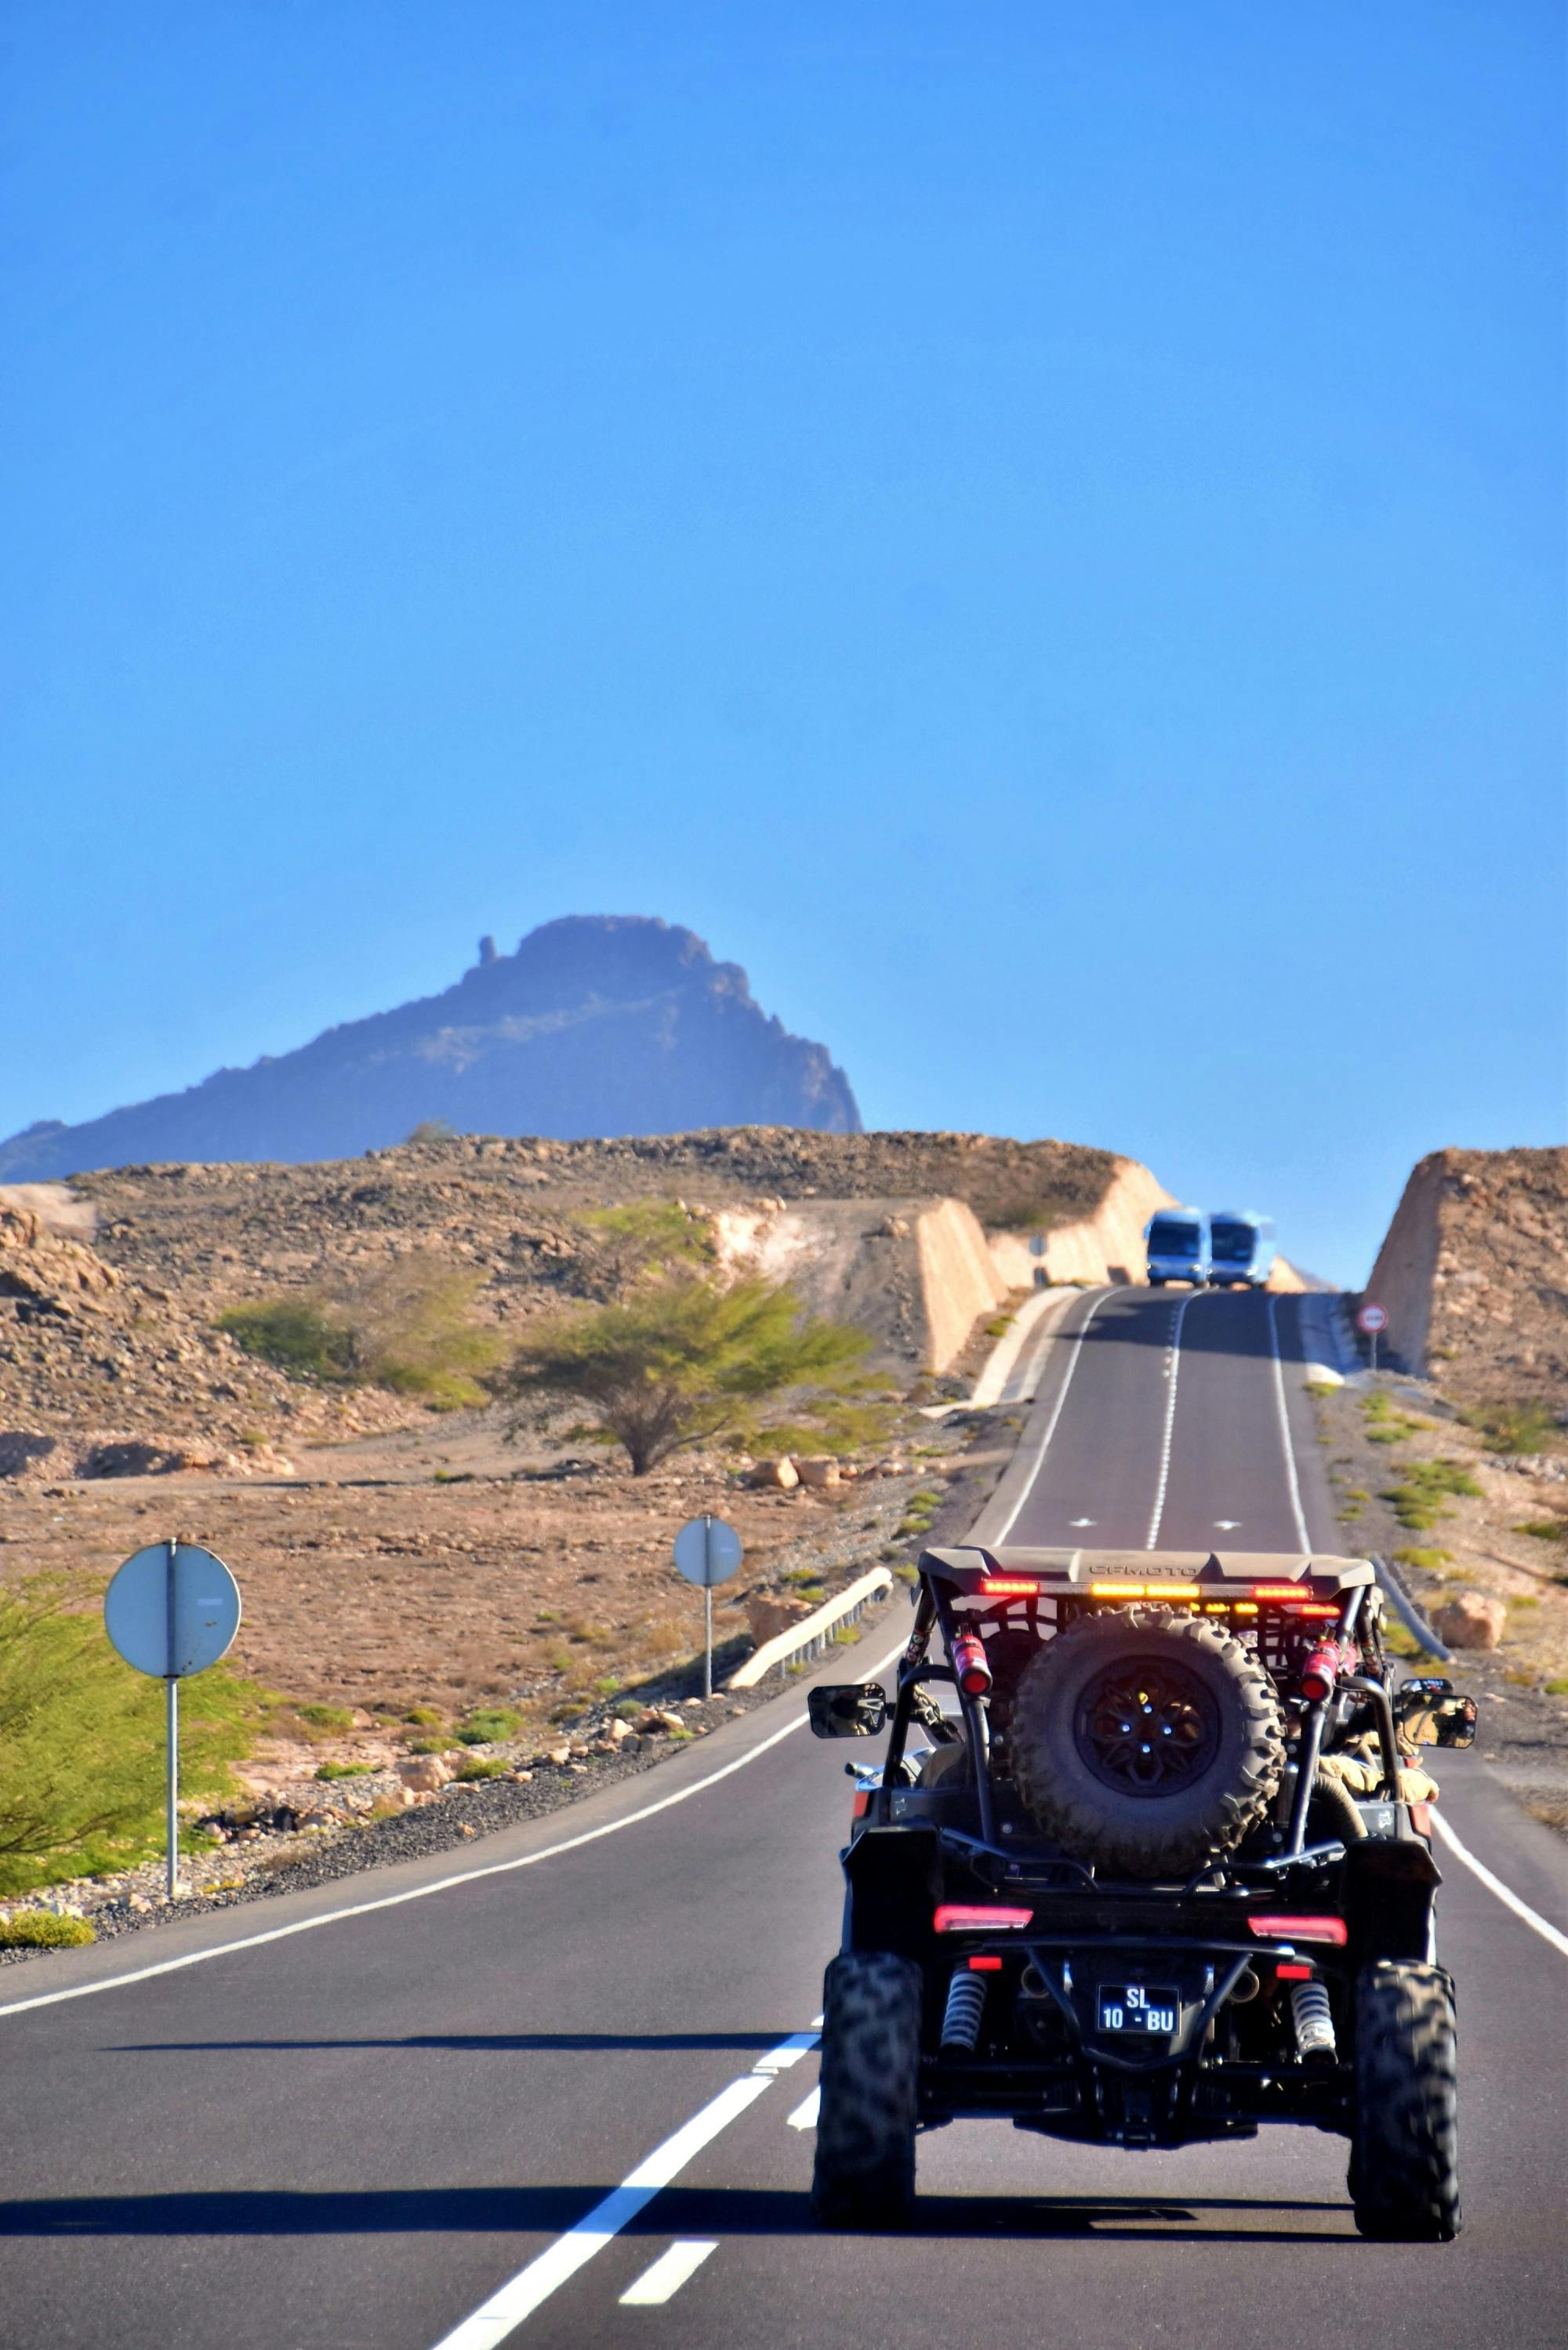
<point x="1146" y="1741"/>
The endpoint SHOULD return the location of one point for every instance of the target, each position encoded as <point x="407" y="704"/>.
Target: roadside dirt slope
<point x="1474" y="1273"/>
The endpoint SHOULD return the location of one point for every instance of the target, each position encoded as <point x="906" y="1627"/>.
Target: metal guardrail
<point x="808" y="1638"/>
<point x="1410" y="1615"/>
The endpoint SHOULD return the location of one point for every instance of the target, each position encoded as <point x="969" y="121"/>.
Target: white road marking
<point x="1051" y="1424"/>
<point x="1226" y="1525"/>
<point x="424" y="1892"/>
<point x="664" y="2279"/>
<point x="522" y="2294"/>
<point x="1081" y="1521"/>
<point x="1172" y="1372"/>
<point x="1504" y="1893"/>
<point x="805" y="2115"/>
<point x="1302" y="1534"/>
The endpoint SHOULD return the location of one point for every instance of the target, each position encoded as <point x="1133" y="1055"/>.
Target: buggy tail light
<point x="1288" y="1970"/>
<point x="1319" y="1674"/>
<point x="1276" y="1926"/>
<point x="1421" y="1820"/>
<point x="1009" y="1586"/>
<point x="970" y="1671"/>
<point x="978" y="1918"/>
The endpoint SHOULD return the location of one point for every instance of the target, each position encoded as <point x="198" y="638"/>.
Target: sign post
<point x="172" y="1609"/>
<point x="1372" y="1319"/>
<point x="708" y="1551"/>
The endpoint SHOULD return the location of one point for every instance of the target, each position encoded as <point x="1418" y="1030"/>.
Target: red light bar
<point x="969" y="1917"/>
<point x="1274" y="1927"/>
<point x="985" y="1962"/>
<point x="1008" y="1586"/>
<point x="1288" y="1970"/>
<point x="1314" y="1608"/>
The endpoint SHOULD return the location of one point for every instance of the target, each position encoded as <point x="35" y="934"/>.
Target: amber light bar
<point x="1009" y="1586"/>
<point x="1146" y="1590"/>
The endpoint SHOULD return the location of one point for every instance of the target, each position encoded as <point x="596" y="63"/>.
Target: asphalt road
<point x="352" y="2135"/>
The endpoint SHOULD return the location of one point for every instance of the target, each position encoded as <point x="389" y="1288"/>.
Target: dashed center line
<point x="1172" y="1372"/>
<point x="805" y="2115"/>
<point x="664" y="2279"/>
<point x="522" y="2294"/>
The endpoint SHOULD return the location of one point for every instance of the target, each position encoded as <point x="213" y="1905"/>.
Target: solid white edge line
<point x="423" y="1892"/>
<point x="1028" y="1483"/>
<point x="533" y="2283"/>
<point x="1290" y="1450"/>
<point x="662" y="2281"/>
<point x="1505" y="1894"/>
<point x="1175" y="1351"/>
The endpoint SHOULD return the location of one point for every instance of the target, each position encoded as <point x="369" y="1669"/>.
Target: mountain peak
<point x="597" y="1025"/>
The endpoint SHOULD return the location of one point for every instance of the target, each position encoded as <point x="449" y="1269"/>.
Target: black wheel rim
<point x="1146" y="1726"/>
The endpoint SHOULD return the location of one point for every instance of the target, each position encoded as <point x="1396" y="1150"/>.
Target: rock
<point x="523" y="1778"/>
<point x="769" y="1613"/>
<point x="423" y="1774"/>
<point x="618" y="1731"/>
<point x="1471" y="1621"/>
<point x="780" y="1476"/>
<point x="820" y="1469"/>
<point x="560" y="1756"/>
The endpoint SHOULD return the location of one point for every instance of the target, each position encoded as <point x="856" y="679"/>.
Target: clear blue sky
<point x="1037" y="528"/>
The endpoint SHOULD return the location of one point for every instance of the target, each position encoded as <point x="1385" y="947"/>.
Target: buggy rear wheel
<point x="1404" y="2165"/>
<point x="1146" y="1740"/>
<point x="865" y="2171"/>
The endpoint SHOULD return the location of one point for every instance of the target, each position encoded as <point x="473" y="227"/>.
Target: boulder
<point x="423" y="1774"/>
<point x="618" y="1731"/>
<point x="769" y="1613"/>
<point x="820" y="1469"/>
<point x="1470" y="1620"/>
<point x="780" y="1476"/>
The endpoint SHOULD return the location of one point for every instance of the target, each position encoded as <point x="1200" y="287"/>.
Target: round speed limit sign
<point x="1372" y="1319"/>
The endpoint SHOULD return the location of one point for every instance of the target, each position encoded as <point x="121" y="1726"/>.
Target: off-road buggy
<point x="1164" y="1874"/>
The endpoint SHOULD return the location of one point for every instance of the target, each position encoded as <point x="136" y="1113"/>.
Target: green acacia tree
<point x="686" y="1360"/>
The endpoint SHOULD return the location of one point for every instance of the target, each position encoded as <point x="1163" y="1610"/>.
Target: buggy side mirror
<point x="847" y="1710"/>
<point x="1432" y="1713"/>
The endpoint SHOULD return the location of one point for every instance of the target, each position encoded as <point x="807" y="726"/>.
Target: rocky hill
<point x="1474" y="1273"/>
<point x="110" y="1289"/>
<point x="595" y="1025"/>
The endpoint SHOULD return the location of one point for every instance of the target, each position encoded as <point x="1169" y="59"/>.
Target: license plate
<point x="1139" y="2007"/>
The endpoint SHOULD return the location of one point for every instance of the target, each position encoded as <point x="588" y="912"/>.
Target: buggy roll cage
<point x="1289" y="1600"/>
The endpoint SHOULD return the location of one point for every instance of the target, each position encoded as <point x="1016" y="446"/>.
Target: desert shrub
<point x="343" y="1770"/>
<point x="1544" y="1529"/>
<point x="441" y="1745"/>
<point x="1526" y="1425"/>
<point x="1428" y="1559"/>
<point x="40" y="1930"/>
<point x="409" y="1328"/>
<point x="481" y="1766"/>
<point x="433" y="1129"/>
<point x="424" y="1717"/>
<point x="297" y="1335"/>
<point x="81" y="1741"/>
<point x="1557" y="1686"/>
<point x="326" y="1717"/>
<point x="487" y="1725"/>
<point x="1425" y="1485"/>
<point x="998" y="1325"/>
<point x="686" y="1359"/>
